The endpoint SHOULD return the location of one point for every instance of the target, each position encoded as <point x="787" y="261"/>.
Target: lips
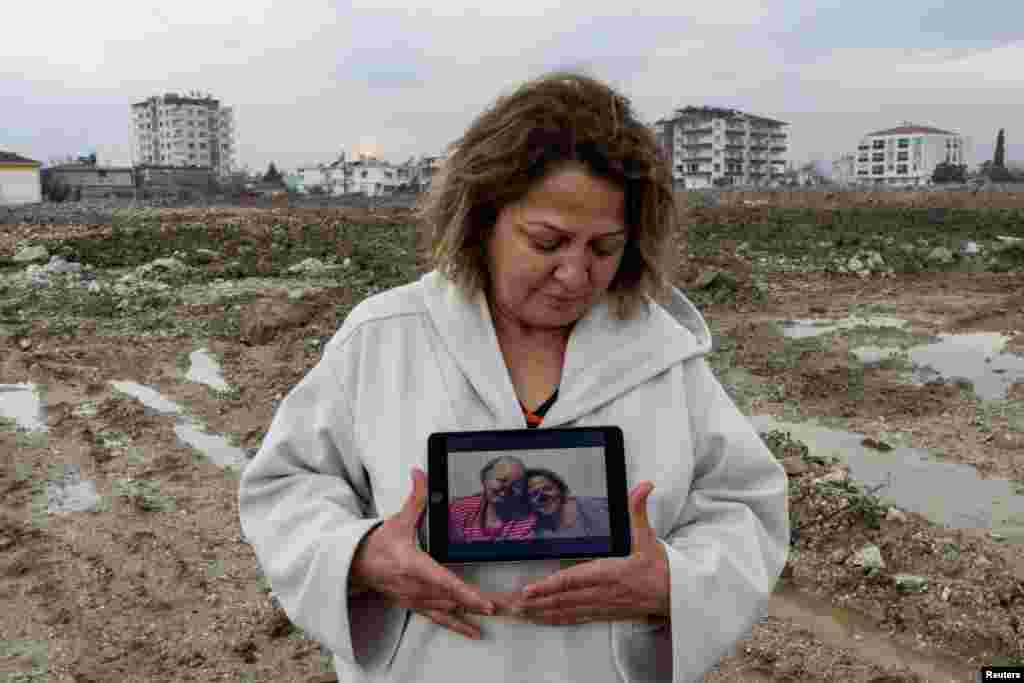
<point x="566" y="302"/>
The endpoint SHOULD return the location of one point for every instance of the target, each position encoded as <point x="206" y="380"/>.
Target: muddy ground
<point x="156" y="583"/>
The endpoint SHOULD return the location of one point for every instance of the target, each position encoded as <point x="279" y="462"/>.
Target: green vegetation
<point x="36" y="652"/>
<point x="819" y="237"/>
<point x="1012" y="412"/>
<point x="35" y="440"/>
<point x="144" y="495"/>
<point x="884" y="336"/>
<point x="796" y="349"/>
<point x="112" y="439"/>
<point x="215" y="569"/>
<point x="782" y="445"/>
<point x="859" y="501"/>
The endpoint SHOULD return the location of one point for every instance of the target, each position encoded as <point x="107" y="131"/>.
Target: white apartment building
<point x="844" y="169"/>
<point x="373" y="177"/>
<point x="906" y="155"/>
<point x="711" y="146"/>
<point x="173" y="130"/>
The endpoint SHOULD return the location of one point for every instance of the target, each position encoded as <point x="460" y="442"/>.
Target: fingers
<point x="638" y="506"/>
<point x="453" y="622"/>
<point x="423" y="579"/>
<point x="584" y="598"/>
<point x="585" y="575"/>
<point x="416" y="503"/>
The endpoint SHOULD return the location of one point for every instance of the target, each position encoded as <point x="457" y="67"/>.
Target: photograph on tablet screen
<point x="551" y="498"/>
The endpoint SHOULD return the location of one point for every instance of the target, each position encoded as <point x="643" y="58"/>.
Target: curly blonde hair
<point x="560" y="117"/>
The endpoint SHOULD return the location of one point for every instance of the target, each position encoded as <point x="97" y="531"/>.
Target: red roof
<point x="912" y="130"/>
<point x="12" y="158"/>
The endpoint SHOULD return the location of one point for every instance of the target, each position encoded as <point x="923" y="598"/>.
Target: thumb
<point x="415" y="504"/>
<point x="639" y="524"/>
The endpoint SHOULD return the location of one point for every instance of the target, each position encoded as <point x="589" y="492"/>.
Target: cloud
<point x="307" y="79"/>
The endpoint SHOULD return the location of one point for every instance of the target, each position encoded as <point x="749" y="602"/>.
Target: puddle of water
<point x="205" y="370"/>
<point x="70" y="493"/>
<point x="22" y="403"/>
<point x="949" y="494"/>
<point x="977" y="357"/>
<point x="212" y="446"/>
<point x="150" y="398"/>
<point x="799" y="329"/>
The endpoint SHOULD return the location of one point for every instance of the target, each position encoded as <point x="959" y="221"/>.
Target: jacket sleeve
<point x="729" y="544"/>
<point x="305" y="504"/>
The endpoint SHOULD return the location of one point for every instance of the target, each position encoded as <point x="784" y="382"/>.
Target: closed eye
<point x="601" y="251"/>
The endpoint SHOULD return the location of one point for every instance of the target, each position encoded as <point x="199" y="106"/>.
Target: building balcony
<point x="703" y="128"/>
<point x="756" y="161"/>
<point x="730" y="145"/>
<point x="778" y="136"/>
<point x="759" y="148"/>
<point x="778" y="148"/>
<point x="695" y="159"/>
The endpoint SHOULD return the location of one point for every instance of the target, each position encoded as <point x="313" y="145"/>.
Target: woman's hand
<point x="389" y="562"/>
<point x="633" y="587"/>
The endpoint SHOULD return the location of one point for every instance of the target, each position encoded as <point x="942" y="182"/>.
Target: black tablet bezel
<point x="441" y="444"/>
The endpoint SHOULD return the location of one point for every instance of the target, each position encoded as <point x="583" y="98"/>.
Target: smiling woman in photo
<point x="559" y="513"/>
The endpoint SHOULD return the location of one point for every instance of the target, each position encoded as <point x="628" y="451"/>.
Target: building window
<point x="877" y="156"/>
<point x="862" y="158"/>
<point x="903" y="142"/>
<point x="718" y="167"/>
<point x="878" y="169"/>
<point x="890" y="167"/>
<point x="901" y="169"/>
<point x="878" y="144"/>
<point x="902" y="156"/>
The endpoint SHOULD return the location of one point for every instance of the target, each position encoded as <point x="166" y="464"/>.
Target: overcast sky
<point x="308" y="78"/>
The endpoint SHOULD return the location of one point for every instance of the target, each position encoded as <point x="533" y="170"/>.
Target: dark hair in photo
<point x="551" y="476"/>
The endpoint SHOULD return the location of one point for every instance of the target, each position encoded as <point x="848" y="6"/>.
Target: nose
<point x="573" y="272"/>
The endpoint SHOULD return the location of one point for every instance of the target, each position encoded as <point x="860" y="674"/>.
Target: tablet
<point x="527" y="494"/>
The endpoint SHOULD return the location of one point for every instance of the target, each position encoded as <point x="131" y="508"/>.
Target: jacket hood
<point x="605" y="357"/>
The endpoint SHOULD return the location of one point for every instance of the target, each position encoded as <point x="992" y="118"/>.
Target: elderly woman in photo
<point x="500" y="512"/>
<point x="562" y="515"/>
<point x="550" y="305"/>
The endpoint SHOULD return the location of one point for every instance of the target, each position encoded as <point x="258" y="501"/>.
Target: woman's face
<point x="545" y="496"/>
<point x="555" y="253"/>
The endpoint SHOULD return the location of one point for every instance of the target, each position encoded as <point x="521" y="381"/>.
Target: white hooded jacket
<point x="420" y="359"/>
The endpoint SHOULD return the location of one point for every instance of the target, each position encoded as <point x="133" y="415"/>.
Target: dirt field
<point x="155" y="582"/>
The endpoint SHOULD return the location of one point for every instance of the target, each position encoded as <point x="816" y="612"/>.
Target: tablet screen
<point x="527" y="494"/>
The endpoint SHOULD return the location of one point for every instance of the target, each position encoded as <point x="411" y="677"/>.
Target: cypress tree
<point x="999" y="160"/>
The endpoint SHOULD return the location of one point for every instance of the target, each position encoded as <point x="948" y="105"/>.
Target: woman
<point x="500" y="512"/>
<point x="551" y="224"/>
<point x="562" y="515"/>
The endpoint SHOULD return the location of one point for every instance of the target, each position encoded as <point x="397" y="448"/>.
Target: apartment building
<point x="184" y="131"/>
<point x="844" y="169"/>
<point x="712" y="146"/>
<point x="907" y="154"/>
<point x="20" y="181"/>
